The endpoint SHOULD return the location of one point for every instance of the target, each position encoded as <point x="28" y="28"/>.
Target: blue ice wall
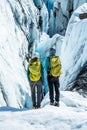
<point x="49" y="4"/>
<point x="38" y="3"/>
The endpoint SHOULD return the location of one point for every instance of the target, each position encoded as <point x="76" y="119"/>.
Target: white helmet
<point x="36" y="54"/>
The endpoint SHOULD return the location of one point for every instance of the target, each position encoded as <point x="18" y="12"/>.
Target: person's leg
<point x="57" y="92"/>
<point x="32" y="84"/>
<point x="51" y="90"/>
<point x="39" y="93"/>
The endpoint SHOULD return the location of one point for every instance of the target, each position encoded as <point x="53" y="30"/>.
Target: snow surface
<point x="71" y="115"/>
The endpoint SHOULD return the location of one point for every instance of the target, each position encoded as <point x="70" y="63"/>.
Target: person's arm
<point x="48" y="65"/>
<point x="28" y="73"/>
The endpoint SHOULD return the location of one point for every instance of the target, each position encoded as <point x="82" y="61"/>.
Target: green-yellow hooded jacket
<point x="35" y="70"/>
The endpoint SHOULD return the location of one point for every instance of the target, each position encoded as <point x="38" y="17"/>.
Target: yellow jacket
<point x="55" y="66"/>
<point x="35" y="70"/>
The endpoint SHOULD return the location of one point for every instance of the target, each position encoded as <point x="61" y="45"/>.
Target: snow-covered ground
<point x="71" y="115"/>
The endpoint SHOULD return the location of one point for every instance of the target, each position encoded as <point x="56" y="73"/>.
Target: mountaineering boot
<point x="36" y="107"/>
<point x="56" y="104"/>
<point x="52" y="103"/>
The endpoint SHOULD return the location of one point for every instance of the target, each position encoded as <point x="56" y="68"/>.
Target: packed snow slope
<point x="71" y="115"/>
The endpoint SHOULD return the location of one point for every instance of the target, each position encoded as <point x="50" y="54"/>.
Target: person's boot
<point x="52" y="103"/>
<point x="36" y="107"/>
<point x="56" y="104"/>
